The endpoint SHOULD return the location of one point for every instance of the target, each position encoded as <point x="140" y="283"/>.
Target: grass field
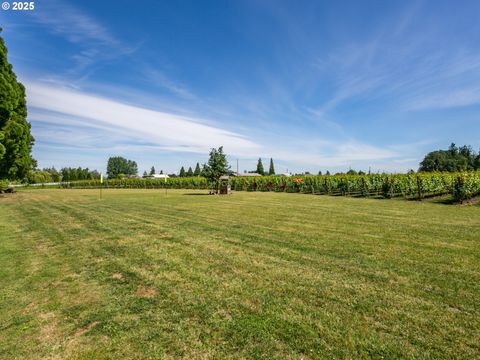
<point x="252" y="275"/>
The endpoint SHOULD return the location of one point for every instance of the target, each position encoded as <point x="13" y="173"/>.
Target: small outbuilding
<point x="225" y="187"/>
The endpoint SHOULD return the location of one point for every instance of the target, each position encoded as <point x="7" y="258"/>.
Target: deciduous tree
<point x="118" y="165"/>
<point x="217" y="166"/>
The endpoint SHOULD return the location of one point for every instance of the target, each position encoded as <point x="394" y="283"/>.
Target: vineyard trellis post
<point x="419" y="188"/>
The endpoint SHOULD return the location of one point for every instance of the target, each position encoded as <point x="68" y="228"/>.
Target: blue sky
<point x="317" y="85"/>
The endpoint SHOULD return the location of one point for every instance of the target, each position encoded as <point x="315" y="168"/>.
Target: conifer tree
<point x="260" y="169"/>
<point x="190" y="172"/>
<point x="15" y="139"/>
<point x="182" y="172"/>
<point x="152" y="170"/>
<point x="271" y="170"/>
<point x="197" y="171"/>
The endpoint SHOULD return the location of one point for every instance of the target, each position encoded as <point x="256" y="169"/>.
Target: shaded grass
<point x="252" y="275"/>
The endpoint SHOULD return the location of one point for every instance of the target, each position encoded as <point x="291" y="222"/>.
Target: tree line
<point x="462" y="158"/>
<point x="65" y="174"/>
<point x="16" y="141"/>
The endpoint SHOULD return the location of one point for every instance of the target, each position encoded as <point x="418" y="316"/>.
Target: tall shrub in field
<point x="216" y="167"/>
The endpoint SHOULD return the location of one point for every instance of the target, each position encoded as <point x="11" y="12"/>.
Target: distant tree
<point x="145" y="174"/>
<point x="320" y="172"/>
<point x="453" y="159"/>
<point x="197" y="171"/>
<point x="118" y="165"/>
<point x="55" y="175"/>
<point x="361" y="172"/>
<point x="161" y="172"/>
<point x="260" y="169"/>
<point x="38" y="177"/>
<point x="94" y="174"/>
<point x="16" y="140"/>
<point x="152" y="170"/>
<point x="182" y="172"/>
<point x="132" y="168"/>
<point x="327" y="173"/>
<point x="217" y="166"/>
<point x="74" y="174"/>
<point x="271" y="170"/>
<point x="190" y="172"/>
<point x="351" y="172"/>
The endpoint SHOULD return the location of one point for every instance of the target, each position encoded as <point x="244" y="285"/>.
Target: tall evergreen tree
<point x="197" y="171"/>
<point x="145" y="174"/>
<point x="190" y="172"/>
<point x="152" y="170"/>
<point x="260" y="169"/>
<point x="182" y="172"/>
<point x="271" y="170"/>
<point x="15" y="139"/>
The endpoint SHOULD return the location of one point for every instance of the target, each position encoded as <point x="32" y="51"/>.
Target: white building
<point x="159" y="176"/>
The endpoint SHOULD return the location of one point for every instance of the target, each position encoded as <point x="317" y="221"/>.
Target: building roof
<point x="247" y="174"/>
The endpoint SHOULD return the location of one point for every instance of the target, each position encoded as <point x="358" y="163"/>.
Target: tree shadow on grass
<point x="196" y="194"/>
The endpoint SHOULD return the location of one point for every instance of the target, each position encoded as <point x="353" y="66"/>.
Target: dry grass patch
<point x="146" y="292"/>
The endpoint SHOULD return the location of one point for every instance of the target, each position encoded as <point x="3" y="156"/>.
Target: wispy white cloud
<point x="76" y="26"/>
<point x="166" y="129"/>
<point x="94" y="40"/>
<point x="160" y="79"/>
<point x="403" y="68"/>
<point x="64" y="118"/>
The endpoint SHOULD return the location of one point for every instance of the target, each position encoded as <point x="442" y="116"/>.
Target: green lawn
<point x="252" y="275"/>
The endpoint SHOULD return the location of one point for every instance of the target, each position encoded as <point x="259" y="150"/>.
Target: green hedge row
<point x="461" y="185"/>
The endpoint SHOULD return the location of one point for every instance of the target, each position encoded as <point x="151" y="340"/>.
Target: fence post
<point x="419" y="188"/>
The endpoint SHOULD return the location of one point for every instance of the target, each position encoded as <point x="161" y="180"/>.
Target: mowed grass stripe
<point x="231" y="277"/>
<point x="295" y="259"/>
